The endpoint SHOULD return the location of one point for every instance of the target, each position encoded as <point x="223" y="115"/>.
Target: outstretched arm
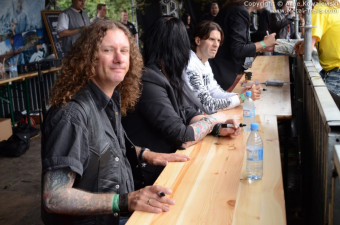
<point x="208" y="97"/>
<point x="59" y="196"/>
<point x="203" y="127"/>
<point x="160" y="159"/>
<point x="299" y="47"/>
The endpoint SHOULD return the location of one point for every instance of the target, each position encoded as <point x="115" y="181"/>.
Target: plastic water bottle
<point x="254" y="154"/>
<point x="13" y="71"/>
<point x="248" y="111"/>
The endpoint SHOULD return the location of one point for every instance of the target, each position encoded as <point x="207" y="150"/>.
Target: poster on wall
<point x="18" y="16"/>
<point x="21" y="31"/>
<point x="50" y="18"/>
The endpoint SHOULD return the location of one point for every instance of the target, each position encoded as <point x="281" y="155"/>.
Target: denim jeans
<point x="123" y="221"/>
<point x="332" y="81"/>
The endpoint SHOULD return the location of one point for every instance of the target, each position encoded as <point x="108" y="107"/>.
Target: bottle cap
<point x="254" y="126"/>
<point x="248" y="93"/>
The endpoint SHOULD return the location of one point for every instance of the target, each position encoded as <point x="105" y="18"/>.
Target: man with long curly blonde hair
<point x="87" y="177"/>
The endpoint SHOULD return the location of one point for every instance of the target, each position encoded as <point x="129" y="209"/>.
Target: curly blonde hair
<point x="78" y="67"/>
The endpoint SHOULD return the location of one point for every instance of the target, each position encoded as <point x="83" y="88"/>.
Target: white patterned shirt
<point x="202" y="91"/>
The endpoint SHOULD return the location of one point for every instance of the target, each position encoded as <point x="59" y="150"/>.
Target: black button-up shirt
<point x="65" y="137"/>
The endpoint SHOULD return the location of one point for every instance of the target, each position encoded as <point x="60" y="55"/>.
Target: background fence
<point x="318" y="124"/>
<point x="18" y="94"/>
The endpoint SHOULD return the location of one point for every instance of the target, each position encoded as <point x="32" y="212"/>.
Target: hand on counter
<point x="147" y="199"/>
<point x="230" y="131"/>
<point x="162" y="159"/>
<point x="255" y="91"/>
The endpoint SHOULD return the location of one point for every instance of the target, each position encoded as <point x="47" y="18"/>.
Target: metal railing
<point x="335" y="201"/>
<point x="18" y="94"/>
<point x="318" y="126"/>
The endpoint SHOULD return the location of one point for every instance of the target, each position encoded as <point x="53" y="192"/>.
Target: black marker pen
<point x="227" y="125"/>
<point x="161" y="194"/>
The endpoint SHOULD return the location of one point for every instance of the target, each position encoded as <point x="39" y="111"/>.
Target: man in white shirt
<point x="71" y="22"/>
<point x="201" y="89"/>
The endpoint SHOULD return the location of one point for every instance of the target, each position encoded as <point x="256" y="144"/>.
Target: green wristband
<point x="242" y="97"/>
<point x="263" y="44"/>
<point x="115" y="203"/>
<point x="79" y="30"/>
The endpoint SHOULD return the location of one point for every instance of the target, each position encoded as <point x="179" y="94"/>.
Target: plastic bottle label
<point x="255" y="155"/>
<point x="248" y="113"/>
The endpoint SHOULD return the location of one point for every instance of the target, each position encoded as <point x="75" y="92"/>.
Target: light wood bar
<point x="211" y="188"/>
<point x="276" y="100"/>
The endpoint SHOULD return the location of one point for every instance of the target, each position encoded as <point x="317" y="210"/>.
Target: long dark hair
<point x="185" y="18"/>
<point x="203" y="30"/>
<point x="168" y="46"/>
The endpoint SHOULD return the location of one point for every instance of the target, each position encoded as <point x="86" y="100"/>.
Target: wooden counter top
<point x="211" y="188"/>
<point x="276" y="100"/>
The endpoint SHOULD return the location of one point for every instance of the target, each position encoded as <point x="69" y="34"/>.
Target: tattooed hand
<point x="202" y="127"/>
<point x="59" y="196"/>
<point x="231" y="131"/>
<point x="147" y="200"/>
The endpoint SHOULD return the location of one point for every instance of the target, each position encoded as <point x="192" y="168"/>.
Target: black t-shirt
<point x="207" y="16"/>
<point x="131" y="27"/>
<point x="235" y="22"/>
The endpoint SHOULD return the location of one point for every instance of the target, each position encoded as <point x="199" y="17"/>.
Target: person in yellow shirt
<point x="326" y="16"/>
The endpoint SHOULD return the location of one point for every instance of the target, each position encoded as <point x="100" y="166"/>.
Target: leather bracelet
<point x="140" y="156"/>
<point x="216" y="130"/>
<point x="123" y="203"/>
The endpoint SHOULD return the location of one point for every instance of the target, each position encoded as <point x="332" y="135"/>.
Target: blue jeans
<point x="332" y="81"/>
<point x="123" y="221"/>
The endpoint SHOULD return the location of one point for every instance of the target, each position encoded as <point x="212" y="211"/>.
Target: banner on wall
<point x="21" y="31"/>
<point x="18" y="16"/>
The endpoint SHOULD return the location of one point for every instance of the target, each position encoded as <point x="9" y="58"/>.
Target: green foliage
<point x="114" y="7"/>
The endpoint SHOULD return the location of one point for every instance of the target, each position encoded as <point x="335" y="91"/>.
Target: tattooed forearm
<point x="59" y="196"/>
<point x="55" y="180"/>
<point x="201" y="129"/>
